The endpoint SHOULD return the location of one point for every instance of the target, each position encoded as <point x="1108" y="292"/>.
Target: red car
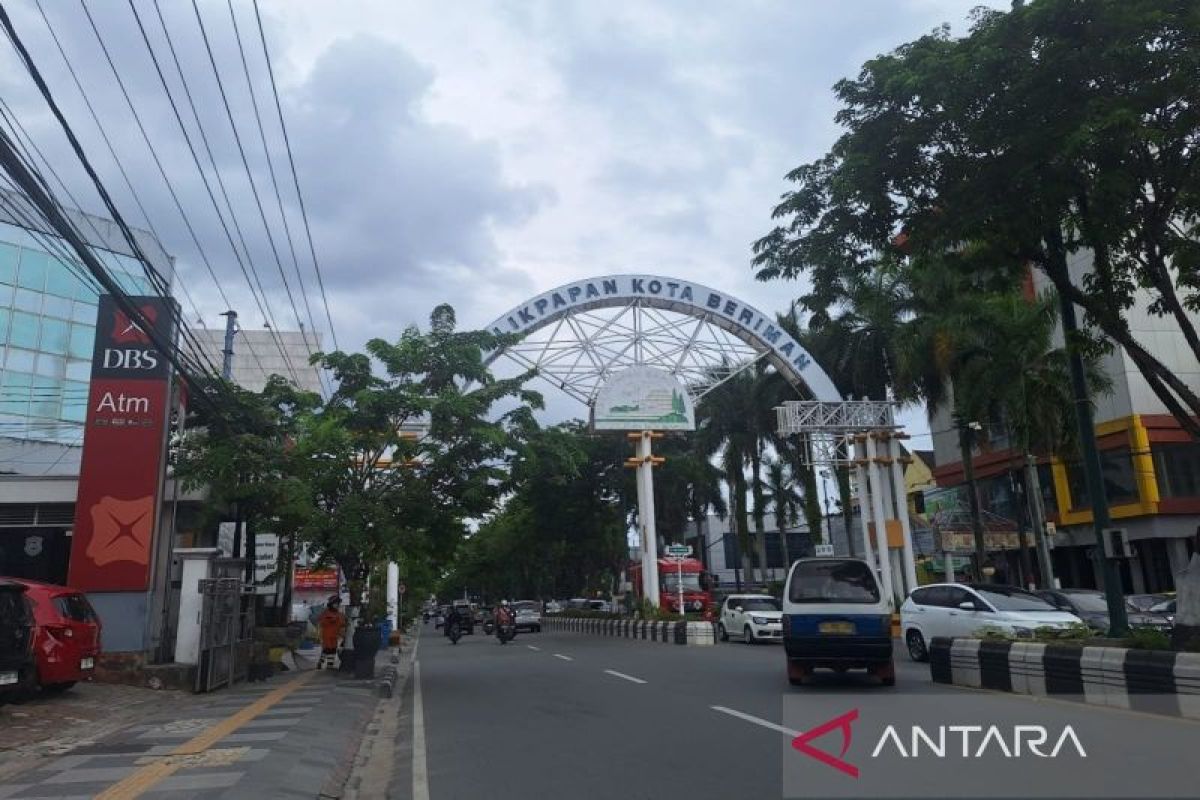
<point x="66" y="638"/>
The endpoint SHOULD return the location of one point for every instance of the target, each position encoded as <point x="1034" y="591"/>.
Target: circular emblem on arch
<point x="577" y="335"/>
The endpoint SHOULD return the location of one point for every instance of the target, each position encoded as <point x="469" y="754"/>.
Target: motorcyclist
<point x="504" y="613"/>
<point x="453" y="618"/>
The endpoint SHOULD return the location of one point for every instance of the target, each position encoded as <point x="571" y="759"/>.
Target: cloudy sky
<point x="471" y="152"/>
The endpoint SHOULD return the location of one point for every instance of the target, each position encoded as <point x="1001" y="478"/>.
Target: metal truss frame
<point x="581" y="350"/>
<point x="828" y="429"/>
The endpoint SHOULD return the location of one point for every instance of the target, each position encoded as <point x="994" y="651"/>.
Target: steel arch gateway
<point x="579" y="334"/>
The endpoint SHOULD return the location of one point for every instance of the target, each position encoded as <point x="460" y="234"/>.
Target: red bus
<point x="696" y="596"/>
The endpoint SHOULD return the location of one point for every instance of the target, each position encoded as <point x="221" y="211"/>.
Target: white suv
<point x="963" y="610"/>
<point x="754" y="617"/>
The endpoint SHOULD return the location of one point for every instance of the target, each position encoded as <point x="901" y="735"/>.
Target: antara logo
<point x="945" y="741"/>
<point x="125" y="331"/>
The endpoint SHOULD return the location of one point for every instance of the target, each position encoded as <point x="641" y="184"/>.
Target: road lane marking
<point x="564" y="658"/>
<point x="147" y="777"/>
<point x="756" y="720"/>
<point x="623" y="676"/>
<point x="535" y="649"/>
<point x="420" y="765"/>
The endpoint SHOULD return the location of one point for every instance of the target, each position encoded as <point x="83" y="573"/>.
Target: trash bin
<point x="385" y="632"/>
<point x="366" y="645"/>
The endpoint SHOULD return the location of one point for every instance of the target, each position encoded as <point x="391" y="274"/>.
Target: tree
<point x="562" y="526"/>
<point x="397" y="462"/>
<point x="240" y="452"/>
<point x="729" y="429"/>
<point x="785" y="500"/>
<point x="1061" y="131"/>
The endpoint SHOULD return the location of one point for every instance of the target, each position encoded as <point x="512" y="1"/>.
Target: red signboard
<point x="116" y="507"/>
<point x="315" y="580"/>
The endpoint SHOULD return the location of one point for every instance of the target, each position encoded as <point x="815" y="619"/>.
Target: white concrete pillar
<point x="195" y="566"/>
<point x="393" y="594"/>
<point x="864" y="502"/>
<point x="909" y="556"/>
<point x="645" y="487"/>
<point x="876" y="482"/>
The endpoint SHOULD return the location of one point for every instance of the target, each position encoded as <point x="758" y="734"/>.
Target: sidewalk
<point x="295" y="735"/>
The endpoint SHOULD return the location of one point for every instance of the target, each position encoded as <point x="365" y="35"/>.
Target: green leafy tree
<point x="240" y="452"/>
<point x="1061" y="134"/>
<point x="403" y="455"/>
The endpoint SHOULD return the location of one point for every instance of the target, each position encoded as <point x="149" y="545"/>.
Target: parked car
<point x="554" y="607"/>
<point x="17" y="664"/>
<point x="754" y="617"/>
<point x="1144" y="602"/>
<point x="966" y="609"/>
<point x="599" y="605"/>
<point x="66" y="641"/>
<point x="578" y="603"/>
<point x="1167" y="609"/>
<point x="1091" y="606"/>
<point x="527" y="618"/>
<point x="835" y="617"/>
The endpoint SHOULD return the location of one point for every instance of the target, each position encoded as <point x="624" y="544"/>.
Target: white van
<point x="835" y="616"/>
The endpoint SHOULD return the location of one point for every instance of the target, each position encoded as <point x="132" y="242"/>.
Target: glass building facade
<point x="47" y="329"/>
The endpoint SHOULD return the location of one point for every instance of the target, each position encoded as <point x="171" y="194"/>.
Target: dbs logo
<point x="121" y="530"/>
<point x="125" y="331"/>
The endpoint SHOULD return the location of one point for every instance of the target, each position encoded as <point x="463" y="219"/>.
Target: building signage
<point x="121" y="466"/>
<point x="310" y="580"/>
<point x="643" y="398"/>
<point x="685" y="297"/>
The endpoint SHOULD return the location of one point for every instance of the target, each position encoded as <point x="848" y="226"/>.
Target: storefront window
<point x="1120" y="485"/>
<point x="1177" y="467"/>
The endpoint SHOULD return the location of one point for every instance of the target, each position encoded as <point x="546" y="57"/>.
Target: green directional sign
<point x="679" y="550"/>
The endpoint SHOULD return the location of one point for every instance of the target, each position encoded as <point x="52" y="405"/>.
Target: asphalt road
<point x="573" y="716"/>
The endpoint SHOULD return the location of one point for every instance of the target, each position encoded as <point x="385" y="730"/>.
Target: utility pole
<point x="1118" y="620"/>
<point x="230" y="331"/>
<point x="966" y="440"/>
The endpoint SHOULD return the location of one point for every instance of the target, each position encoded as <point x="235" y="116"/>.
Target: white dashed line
<point x="564" y="658"/>
<point x="756" y="720"/>
<point x="623" y="676"/>
<point x="535" y="649"/>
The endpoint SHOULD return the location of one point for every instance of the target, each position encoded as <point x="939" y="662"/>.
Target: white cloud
<point x="479" y="152"/>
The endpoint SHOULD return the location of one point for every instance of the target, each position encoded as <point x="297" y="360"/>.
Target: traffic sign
<point x="679" y="550"/>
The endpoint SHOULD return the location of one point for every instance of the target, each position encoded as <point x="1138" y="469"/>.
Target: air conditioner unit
<point x="1116" y="543"/>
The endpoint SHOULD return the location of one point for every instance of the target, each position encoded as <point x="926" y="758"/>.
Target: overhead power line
<point x="295" y="179"/>
<point x="212" y="60"/>
<point x="34" y="188"/>
<point x="262" y="303"/>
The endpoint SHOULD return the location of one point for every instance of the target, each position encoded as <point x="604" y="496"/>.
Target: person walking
<point x="332" y="624"/>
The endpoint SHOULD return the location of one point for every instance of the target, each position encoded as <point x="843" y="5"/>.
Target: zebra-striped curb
<point x="1155" y="681"/>
<point x="673" y="632"/>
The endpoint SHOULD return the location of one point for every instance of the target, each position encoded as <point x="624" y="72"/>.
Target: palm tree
<point x="992" y="357"/>
<point x="726" y="431"/>
<point x="786" y="501"/>
<point x="1017" y="375"/>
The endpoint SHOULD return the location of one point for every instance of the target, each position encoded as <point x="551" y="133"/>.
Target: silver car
<point x="527" y="616"/>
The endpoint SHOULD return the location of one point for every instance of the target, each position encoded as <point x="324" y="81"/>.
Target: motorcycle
<point x="506" y="632"/>
<point x="489" y="627"/>
<point x="454" y="632"/>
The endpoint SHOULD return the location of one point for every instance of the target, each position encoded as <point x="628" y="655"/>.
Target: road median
<point x="660" y="631"/>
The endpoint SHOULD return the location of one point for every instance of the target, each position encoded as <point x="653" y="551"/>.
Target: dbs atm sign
<point x="123" y="442"/>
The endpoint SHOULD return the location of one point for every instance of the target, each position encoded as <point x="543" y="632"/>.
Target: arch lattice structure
<point x="580" y="334"/>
